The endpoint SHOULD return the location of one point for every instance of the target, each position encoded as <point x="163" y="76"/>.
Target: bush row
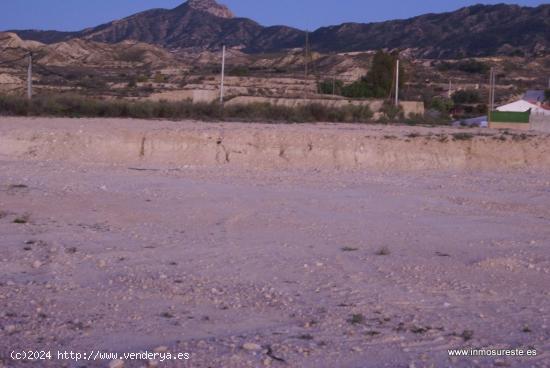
<point x="79" y="106"/>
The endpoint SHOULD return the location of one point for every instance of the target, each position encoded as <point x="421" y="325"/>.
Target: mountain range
<point x="479" y="30"/>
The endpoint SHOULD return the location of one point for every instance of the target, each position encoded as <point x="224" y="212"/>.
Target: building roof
<point x="523" y="106"/>
<point x="534" y="96"/>
<point x="517" y="106"/>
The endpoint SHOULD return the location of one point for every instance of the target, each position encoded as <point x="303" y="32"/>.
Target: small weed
<point x="372" y="333"/>
<point x="526" y="329"/>
<point x="349" y="249"/>
<point x="467" y="335"/>
<point x="166" y="315"/>
<point x="77" y="325"/>
<point x="305" y="337"/>
<point x="71" y="250"/>
<point x="419" y="330"/>
<point x="390" y="137"/>
<point x="272" y="355"/>
<point x="17" y="186"/>
<point x="356" y="319"/>
<point x="21" y="219"/>
<point x="384" y="251"/>
<point x="413" y="135"/>
<point x="441" y="254"/>
<point x="463" y="136"/>
<point x="520" y="137"/>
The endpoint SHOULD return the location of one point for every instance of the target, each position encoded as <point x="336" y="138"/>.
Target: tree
<point x="547" y="94"/>
<point x="441" y="104"/>
<point x="466" y="97"/>
<point x="381" y="76"/>
<point x="358" y="89"/>
<point x="380" y="79"/>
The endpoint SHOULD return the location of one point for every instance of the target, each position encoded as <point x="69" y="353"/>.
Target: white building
<point x="523" y="106"/>
<point x="533" y="100"/>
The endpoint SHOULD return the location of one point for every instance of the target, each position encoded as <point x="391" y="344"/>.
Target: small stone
<point x="251" y="346"/>
<point x="10" y="329"/>
<point x="36" y="264"/>
<point x="118" y="363"/>
<point x="501" y="363"/>
<point x="267" y="362"/>
<point x="102" y="263"/>
<point x="161" y="349"/>
<point x="153" y="363"/>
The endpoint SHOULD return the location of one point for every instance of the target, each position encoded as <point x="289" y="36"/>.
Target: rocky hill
<point x="81" y="52"/>
<point x="480" y="30"/>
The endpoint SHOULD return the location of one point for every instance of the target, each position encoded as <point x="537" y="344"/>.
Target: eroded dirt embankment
<point x="162" y="143"/>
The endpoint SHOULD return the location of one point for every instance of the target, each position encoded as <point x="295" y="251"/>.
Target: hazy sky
<point x="310" y="14"/>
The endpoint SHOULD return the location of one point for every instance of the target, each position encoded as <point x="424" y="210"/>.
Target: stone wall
<point x="409" y="107"/>
<point x="540" y="123"/>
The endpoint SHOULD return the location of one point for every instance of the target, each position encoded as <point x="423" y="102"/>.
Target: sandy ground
<point x="244" y="267"/>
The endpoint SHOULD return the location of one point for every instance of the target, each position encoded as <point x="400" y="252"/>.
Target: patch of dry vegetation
<point x="78" y="106"/>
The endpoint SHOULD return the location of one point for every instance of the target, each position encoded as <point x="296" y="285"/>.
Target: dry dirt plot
<point x="274" y="267"/>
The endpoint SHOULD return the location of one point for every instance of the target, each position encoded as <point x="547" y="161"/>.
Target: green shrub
<point x="467" y="66"/>
<point x="441" y="104"/>
<point x="239" y="71"/>
<point x="159" y="78"/>
<point x="329" y="87"/>
<point x="466" y="97"/>
<point x="132" y="55"/>
<point x="392" y="112"/>
<point x="142" y="79"/>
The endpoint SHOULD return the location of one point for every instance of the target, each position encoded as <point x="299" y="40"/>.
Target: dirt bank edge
<point x="265" y="146"/>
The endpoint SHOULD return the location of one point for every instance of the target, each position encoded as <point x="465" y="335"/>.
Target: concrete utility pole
<point x="397" y="84"/>
<point x="223" y="74"/>
<point x="494" y="90"/>
<point x="450" y="88"/>
<point x="306" y="66"/>
<point x="491" y="94"/>
<point x="29" y="77"/>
